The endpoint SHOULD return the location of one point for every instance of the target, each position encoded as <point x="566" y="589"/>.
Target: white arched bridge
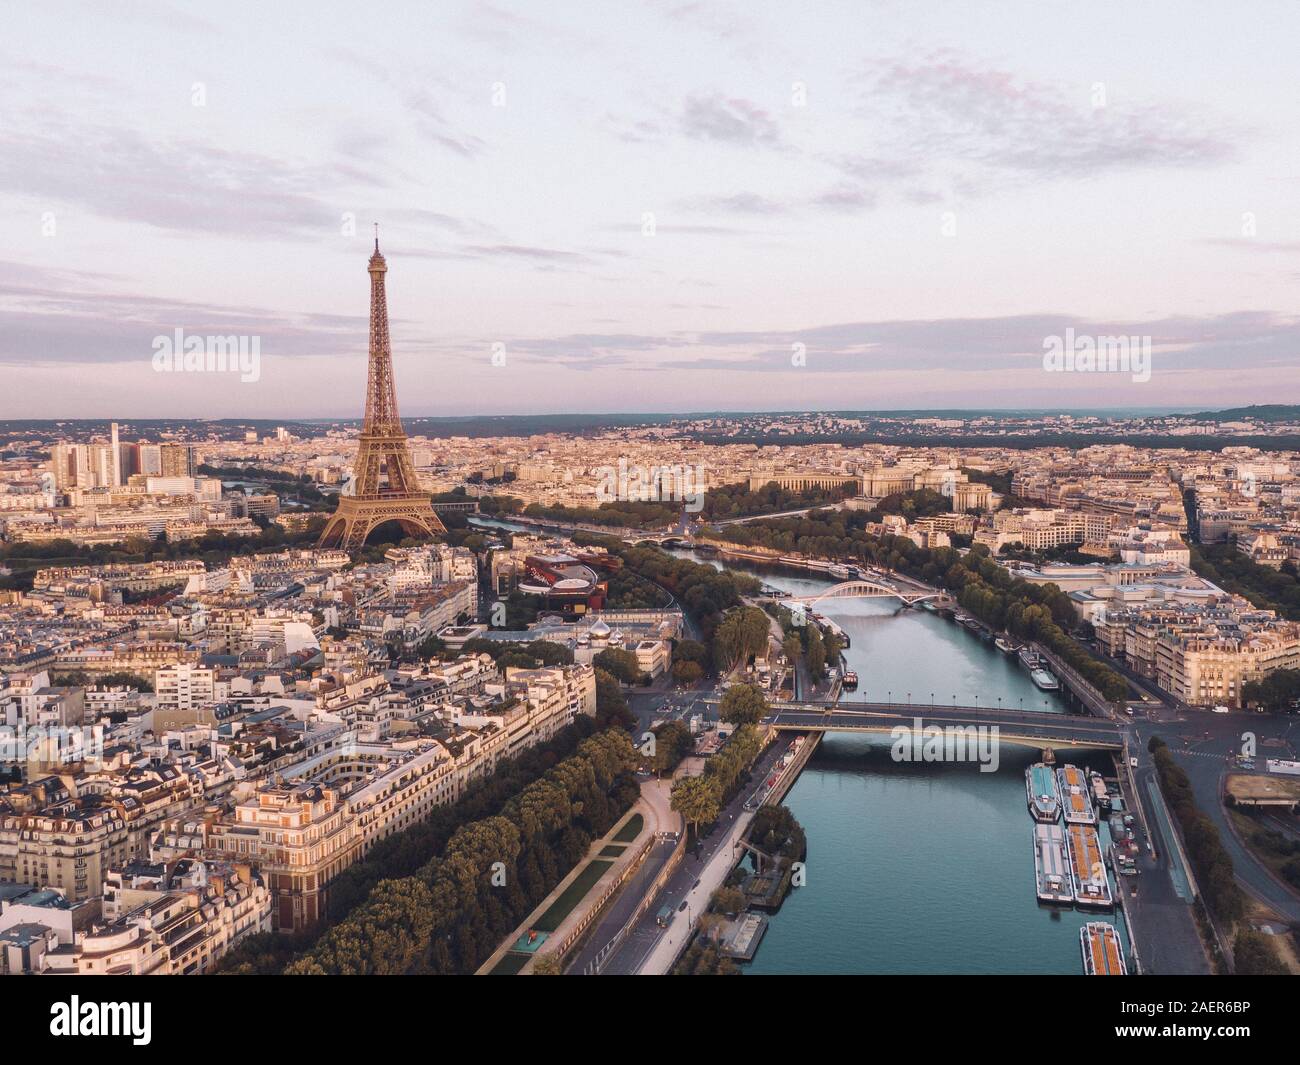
<point x="861" y="588"/>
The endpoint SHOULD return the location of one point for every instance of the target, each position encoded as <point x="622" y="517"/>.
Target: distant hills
<point x="1262" y="412"/>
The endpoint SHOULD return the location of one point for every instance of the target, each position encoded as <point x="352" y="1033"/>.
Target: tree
<point x="696" y="799"/>
<point x="1254" y="955"/>
<point x="672" y="743"/>
<point x="691" y="651"/>
<point x="816" y="653"/>
<point x="611" y="707"/>
<point x="431" y="647"/>
<point x="792" y="647"/>
<point x="729" y="900"/>
<point x="743" y="704"/>
<point x="687" y="673"/>
<point x="742" y="634"/>
<point x="620" y="664"/>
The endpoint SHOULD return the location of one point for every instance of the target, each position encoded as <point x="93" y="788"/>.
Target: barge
<point x="1045" y="680"/>
<point x="1052" y="865"/>
<point x="1075" y="801"/>
<point x="1040" y="790"/>
<point x="1102" y="954"/>
<point x="1087" y="868"/>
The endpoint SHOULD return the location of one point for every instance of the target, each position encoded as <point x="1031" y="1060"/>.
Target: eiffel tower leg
<point x="335" y="533"/>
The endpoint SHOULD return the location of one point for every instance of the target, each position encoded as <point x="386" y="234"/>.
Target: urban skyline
<point x="684" y="487"/>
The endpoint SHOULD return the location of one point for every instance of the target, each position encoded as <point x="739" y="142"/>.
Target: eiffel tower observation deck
<point x="385" y="486"/>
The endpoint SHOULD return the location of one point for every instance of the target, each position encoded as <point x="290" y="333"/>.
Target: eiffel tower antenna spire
<point x="386" y="487"/>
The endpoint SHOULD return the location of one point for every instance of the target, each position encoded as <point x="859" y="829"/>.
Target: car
<point x="682" y="906"/>
<point x="1220" y="710"/>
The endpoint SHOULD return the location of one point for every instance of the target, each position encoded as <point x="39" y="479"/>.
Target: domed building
<point x="599" y="634"/>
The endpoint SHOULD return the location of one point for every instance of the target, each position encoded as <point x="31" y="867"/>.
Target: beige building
<point x="158" y="924"/>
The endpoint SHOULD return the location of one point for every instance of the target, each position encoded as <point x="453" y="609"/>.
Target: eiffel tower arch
<point x="384" y="474"/>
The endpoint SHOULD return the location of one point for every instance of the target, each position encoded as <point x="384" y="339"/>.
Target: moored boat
<point x="1102" y="953"/>
<point x="1075" y="801"/>
<point x="1052" y="865"/>
<point x="1040" y="789"/>
<point x="1087" y="868"/>
<point x="1045" y="680"/>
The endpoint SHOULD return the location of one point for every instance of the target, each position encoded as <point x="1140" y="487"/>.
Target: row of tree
<point x="691" y="661"/>
<point x="1210" y="861"/>
<point x="452" y="912"/>
<point x="622" y="514"/>
<point x="740" y="501"/>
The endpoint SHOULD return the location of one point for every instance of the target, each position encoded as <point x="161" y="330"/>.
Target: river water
<point x="918" y="868"/>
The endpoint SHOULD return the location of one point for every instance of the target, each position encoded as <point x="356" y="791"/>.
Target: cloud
<point x="947" y="109"/>
<point x="730" y="121"/>
<point x="176" y="184"/>
<point x="736" y="203"/>
<point x="68" y="317"/>
<point x="432" y="125"/>
<point x="1244" y="340"/>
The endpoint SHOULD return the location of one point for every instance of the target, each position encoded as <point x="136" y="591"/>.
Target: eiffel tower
<point x="386" y="488"/>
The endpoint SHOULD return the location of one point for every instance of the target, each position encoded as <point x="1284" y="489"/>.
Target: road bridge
<point x="1014" y="726"/>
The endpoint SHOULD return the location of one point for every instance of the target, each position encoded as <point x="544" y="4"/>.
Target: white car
<point x="1220" y="710"/>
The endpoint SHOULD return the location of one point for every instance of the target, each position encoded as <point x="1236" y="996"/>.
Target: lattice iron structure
<point x="386" y="488"/>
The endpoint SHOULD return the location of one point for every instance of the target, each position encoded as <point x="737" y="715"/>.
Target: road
<point x="644" y="937"/>
<point x="624" y="905"/>
<point x="1050" y="728"/>
<point x="1206" y="760"/>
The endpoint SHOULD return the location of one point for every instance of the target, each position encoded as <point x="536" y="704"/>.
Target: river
<point x="917" y="868"/>
<point x="913" y="867"/>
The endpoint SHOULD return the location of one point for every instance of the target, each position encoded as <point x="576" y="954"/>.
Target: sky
<point x="658" y="206"/>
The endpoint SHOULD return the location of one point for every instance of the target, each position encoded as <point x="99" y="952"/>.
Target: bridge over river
<point x="864" y="588"/>
<point x="1029" y="728"/>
